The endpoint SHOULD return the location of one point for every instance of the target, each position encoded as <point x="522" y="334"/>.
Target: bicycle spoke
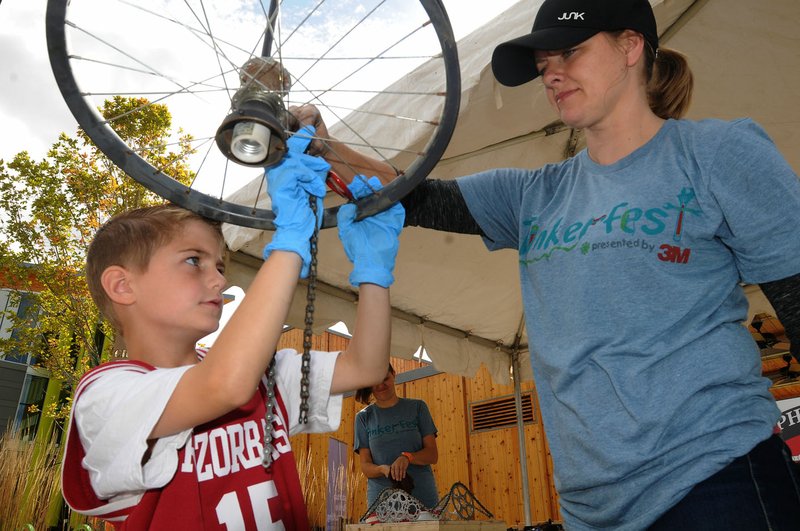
<point x="200" y="55"/>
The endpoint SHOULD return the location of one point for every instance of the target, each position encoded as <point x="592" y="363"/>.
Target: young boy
<point x="163" y="441"/>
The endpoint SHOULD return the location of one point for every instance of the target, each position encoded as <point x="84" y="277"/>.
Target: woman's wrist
<point x="408" y="455"/>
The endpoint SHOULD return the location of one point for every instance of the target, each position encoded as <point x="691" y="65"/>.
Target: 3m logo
<point x="674" y="254"/>
<point x="571" y="16"/>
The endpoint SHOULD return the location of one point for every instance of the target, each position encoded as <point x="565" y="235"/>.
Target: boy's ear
<point x="116" y="283"/>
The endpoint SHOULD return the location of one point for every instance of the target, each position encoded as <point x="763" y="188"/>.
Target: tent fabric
<point x="451" y="295"/>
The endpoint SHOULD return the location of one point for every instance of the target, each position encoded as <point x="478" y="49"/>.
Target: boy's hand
<point x="370" y="244"/>
<point x="288" y="185"/>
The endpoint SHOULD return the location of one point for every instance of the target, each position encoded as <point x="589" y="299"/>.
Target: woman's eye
<point x="566" y="54"/>
<point x="193" y="260"/>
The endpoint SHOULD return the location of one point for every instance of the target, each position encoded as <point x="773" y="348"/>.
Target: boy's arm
<point x="366" y="359"/>
<point x="230" y="372"/>
<point x="371" y="245"/>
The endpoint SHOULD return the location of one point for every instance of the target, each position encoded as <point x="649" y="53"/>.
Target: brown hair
<point x="364" y="395"/>
<point x="669" y="82"/>
<point x="668" y="78"/>
<point x="129" y="240"/>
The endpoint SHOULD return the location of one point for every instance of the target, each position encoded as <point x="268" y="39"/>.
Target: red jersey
<point x="219" y="482"/>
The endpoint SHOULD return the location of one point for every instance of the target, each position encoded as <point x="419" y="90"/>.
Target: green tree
<point x="49" y="212"/>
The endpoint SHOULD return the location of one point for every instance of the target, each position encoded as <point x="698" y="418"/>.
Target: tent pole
<point x="523" y="454"/>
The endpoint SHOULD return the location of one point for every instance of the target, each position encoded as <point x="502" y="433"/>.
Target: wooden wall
<point x="487" y="462"/>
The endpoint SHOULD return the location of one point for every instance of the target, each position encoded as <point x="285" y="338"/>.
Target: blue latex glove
<point x="370" y="244"/>
<point x="289" y="185"/>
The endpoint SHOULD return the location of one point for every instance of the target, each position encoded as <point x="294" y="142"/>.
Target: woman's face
<point x="585" y="83"/>
<point x="385" y="389"/>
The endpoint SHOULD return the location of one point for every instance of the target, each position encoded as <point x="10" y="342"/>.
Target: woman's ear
<point x="116" y="283"/>
<point x="632" y="43"/>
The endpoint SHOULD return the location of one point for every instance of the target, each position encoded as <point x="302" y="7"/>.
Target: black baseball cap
<point x="561" y="24"/>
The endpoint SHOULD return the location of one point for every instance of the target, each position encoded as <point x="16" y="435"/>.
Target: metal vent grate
<point x="500" y="413"/>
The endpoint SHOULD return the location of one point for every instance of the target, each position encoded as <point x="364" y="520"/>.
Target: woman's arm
<point x="437" y="204"/>
<point x="784" y="296"/>
<point x="428" y="454"/>
<point x="433" y="204"/>
<point x="345" y="161"/>
<point x="370" y="469"/>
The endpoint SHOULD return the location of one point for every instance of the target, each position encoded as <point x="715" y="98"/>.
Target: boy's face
<point x="180" y="293"/>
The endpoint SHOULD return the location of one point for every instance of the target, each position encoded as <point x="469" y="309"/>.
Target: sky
<point x="32" y="112"/>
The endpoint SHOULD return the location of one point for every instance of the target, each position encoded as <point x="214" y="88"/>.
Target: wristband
<point x="408" y="456"/>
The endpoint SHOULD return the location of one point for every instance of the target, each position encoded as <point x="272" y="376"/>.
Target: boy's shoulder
<point x="110" y="367"/>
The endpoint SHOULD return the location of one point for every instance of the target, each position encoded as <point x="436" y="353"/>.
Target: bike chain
<point x="311" y="295"/>
<point x="305" y="367"/>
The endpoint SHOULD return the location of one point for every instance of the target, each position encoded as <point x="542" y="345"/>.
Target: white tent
<point x="459" y="301"/>
<point x="463" y="303"/>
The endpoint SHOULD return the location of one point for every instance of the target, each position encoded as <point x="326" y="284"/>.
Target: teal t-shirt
<point x="630" y="273"/>
<point x="387" y="432"/>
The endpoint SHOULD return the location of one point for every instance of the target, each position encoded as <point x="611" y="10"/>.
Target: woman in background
<point x="395" y="438"/>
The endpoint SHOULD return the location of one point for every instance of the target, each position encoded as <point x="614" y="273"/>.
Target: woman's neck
<point x="621" y="135"/>
<point x="388" y="402"/>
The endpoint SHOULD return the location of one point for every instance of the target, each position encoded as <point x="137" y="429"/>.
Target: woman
<point x="395" y="438"/>
<point x="656" y="411"/>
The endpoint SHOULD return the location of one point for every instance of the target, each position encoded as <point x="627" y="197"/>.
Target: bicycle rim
<point x="386" y="80"/>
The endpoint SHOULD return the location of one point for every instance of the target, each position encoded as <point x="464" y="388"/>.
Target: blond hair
<point x="129" y="240"/>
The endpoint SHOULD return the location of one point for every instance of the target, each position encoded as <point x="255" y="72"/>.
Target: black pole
<point x="269" y="34"/>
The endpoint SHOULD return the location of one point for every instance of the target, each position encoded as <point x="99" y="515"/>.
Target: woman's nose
<point x="552" y="74"/>
<point x="551" y="68"/>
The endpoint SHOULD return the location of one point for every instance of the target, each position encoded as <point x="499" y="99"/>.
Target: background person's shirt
<point x="387" y="432"/>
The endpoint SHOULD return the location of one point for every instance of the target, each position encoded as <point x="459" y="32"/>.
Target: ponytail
<point x="669" y="89"/>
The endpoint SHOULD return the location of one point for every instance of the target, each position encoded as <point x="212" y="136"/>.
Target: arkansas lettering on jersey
<point x="219" y="483"/>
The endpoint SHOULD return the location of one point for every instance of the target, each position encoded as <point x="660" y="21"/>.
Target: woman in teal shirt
<point x="394" y="438"/>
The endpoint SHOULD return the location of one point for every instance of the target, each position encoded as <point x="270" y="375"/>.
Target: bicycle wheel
<point x="384" y="74"/>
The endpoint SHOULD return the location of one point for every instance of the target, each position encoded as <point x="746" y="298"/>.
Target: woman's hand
<point x="303" y="115"/>
<point x="399" y="468"/>
<point x="346" y="162"/>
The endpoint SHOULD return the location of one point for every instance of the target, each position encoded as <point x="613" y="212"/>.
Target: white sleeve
<point x="114" y="416"/>
<point x="325" y="410"/>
